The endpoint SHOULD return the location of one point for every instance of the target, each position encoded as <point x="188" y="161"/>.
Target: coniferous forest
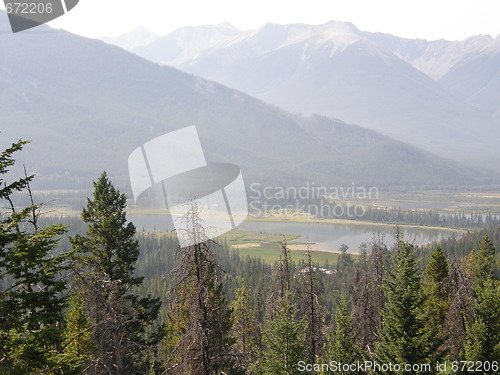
<point x="95" y="296"/>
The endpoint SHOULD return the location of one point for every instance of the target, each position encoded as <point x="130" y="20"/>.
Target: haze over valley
<point x="286" y="199"/>
<point x="448" y="90"/>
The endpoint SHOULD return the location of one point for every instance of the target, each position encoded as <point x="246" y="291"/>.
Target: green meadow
<point x="268" y="246"/>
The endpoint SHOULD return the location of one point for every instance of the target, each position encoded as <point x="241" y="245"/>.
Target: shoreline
<point x="283" y="219"/>
<point x="300" y="219"/>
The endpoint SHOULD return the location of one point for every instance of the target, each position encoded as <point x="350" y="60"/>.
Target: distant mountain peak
<point x="106" y="102"/>
<point x="335" y="35"/>
<point x="227" y="25"/>
<point x="142" y="29"/>
<point x="128" y="41"/>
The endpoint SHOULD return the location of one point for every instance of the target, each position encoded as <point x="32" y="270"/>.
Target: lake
<point x="325" y="236"/>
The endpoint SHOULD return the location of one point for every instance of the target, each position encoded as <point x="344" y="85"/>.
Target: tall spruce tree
<point x="31" y="281"/>
<point x="483" y="263"/>
<point x="345" y="268"/>
<point x="78" y="345"/>
<point x="246" y="329"/>
<point x="284" y="332"/>
<point x="483" y="330"/>
<point x="435" y="292"/>
<point x="108" y="254"/>
<point x="284" y="340"/>
<point x="402" y="337"/>
<point x="341" y="345"/>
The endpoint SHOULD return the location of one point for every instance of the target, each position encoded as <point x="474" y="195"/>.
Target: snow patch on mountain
<point x="436" y="58"/>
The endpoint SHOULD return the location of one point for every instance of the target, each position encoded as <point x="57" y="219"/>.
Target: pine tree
<point x="345" y="268"/>
<point x="108" y="254"/>
<point x="77" y="345"/>
<point x="198" y="338"/>
<point x="402" y="337"/>
<point x="31" y="292"/>
<point x="284" y="340"/>
<point x="483" y="331"/>
<point x="245" y="327"/>
<point x="341" y="343"/>
<point x="436" y="302"/>
<point x="284" y="333"/>
<point x="483" y="263"/>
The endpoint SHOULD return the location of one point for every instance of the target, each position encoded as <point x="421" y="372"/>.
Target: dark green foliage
<point x="109" y="245"/>
<point x="461" y="247"/>
<point x="107" y="257"/>
<point x="283" y="339"/>
<point x="215" y="321"/>
<point x="483" y="331"/>
<point x="78" y="345"/>
<point x="434" y="289"/>
<point x="484" y="266"/>
<point x="341" y="343"/>
<point x="31" y="289"/>
<point x="402" y="337"/>
<point x="345" y="268"/>
<point x="246" y="329"/>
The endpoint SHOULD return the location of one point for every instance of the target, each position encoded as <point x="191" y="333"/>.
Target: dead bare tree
<point x="312" y="309"/>
<point x="461" y="310"/>
<point x="198" y="340"/>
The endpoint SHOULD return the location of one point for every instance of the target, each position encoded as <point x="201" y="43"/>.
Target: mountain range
<point x="469" y="69"/>
<point x="87" y="105"/>
<point x="442" y="96"/>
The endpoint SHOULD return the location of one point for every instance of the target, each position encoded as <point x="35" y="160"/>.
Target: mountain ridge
<point x="337" y="70"/>
<point x="86" y="105"/>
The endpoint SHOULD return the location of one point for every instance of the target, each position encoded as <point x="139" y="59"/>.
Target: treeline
<point x="461" y="246"/>
<point x="114" y="302"/>
<point x="322" y="208"/>
<point x="430" y="218"/>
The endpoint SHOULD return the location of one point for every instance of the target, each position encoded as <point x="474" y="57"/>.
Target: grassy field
<point x="239" y="237"/>
<point x="268" y="246"/>
<point x="270" y="253"/>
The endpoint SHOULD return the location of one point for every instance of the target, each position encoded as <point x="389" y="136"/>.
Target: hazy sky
<point x="428" y="19"/>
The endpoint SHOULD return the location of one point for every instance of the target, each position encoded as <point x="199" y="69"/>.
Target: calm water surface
<point x="324" y="236"/>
